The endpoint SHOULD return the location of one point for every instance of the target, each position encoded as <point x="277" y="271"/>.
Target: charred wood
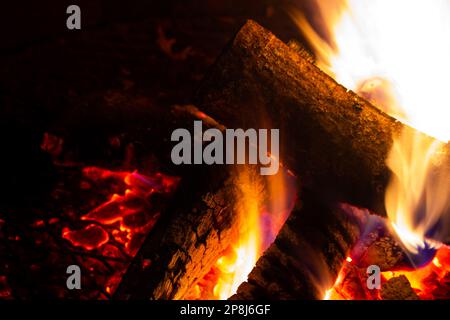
<point x="334" y="140"/>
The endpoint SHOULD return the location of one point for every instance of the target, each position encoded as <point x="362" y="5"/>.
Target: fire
<point x="237" y="264"/>
<point x="429" y="282"/>
<point x="437" y="263"/>
<point x="260" y="217"/>
<point x="398" y="45"/>
<point x="395" y="53"/>
<point x="418" y="194"/>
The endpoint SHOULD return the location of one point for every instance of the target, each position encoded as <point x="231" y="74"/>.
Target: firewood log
<point x="334" y="140"/>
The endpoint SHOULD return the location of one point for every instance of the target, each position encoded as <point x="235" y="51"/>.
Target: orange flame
<point x="236" y="265"/>
<point x="395" y="53"/>
<point x="260" y="217"/>
<point x="417" y="197"/>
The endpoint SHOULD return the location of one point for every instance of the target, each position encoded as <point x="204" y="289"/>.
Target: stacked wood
<point x="336" y="143"/>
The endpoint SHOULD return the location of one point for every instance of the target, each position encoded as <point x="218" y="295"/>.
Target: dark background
<point x="26" y="22"/>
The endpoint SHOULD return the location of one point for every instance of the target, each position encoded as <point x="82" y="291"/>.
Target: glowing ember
<point x="431" y="281"/>
<point x="91" y="237"/>
<point x="119" y="225"/>
<point x="52" y="144"/>
<point x="5" y="290"/>
<point x="131" y="212"/>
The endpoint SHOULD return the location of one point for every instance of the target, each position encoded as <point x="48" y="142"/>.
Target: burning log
<point x="384" y="253"/>
<point x="307" y="254"/>
<point x="379" y="247"/>
<point x="335" y="141"/>
<point x="189" y="238"/>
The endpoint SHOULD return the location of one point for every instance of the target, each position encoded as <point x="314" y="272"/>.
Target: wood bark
<point x="335" y="141"/>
